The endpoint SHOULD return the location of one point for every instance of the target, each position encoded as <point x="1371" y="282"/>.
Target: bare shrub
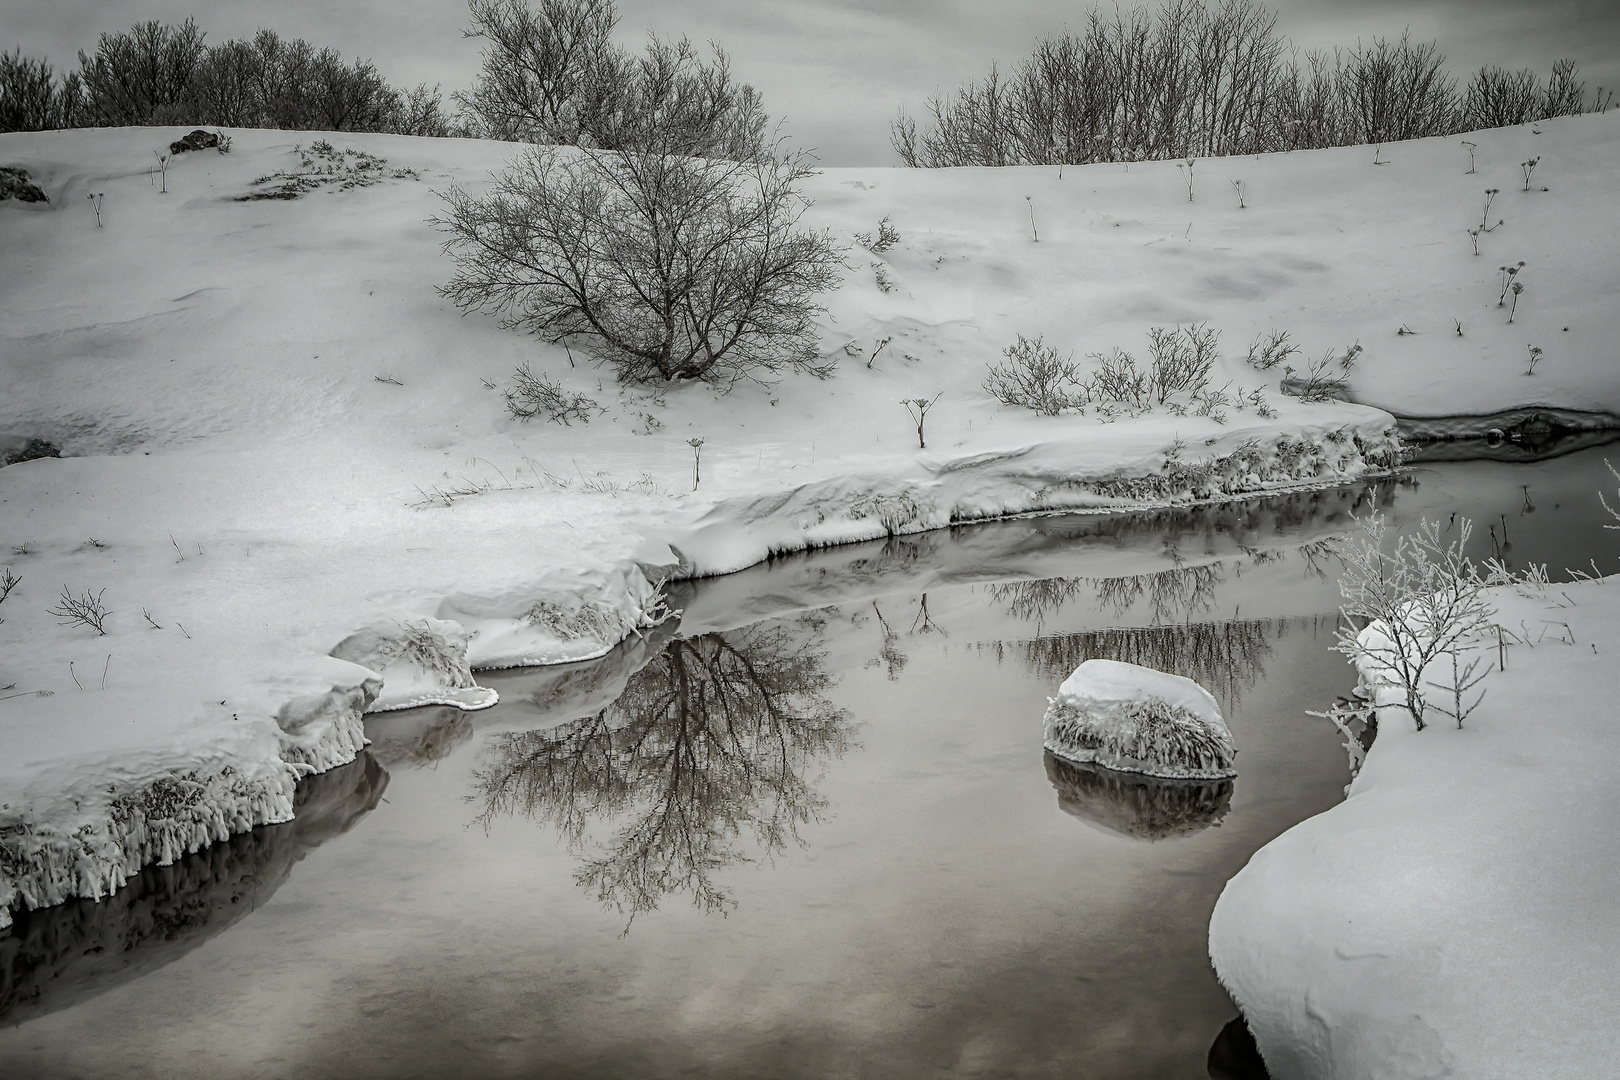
<point x="141" y="76"/>
<point x="1269" y="350"/>
<point x="84" y="610"/>
<point x="668" y="267"/>
<point x="1036" y="377"/>
<point x="1321" y="381"/>
<point x="1182" y="359"/>
<point x="530" y="395"/>
<point x="1119" y="380"/>
<point x="1412" y="604"/>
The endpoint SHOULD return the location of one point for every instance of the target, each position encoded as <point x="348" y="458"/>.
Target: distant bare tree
<point x="552" y="75"/>
<point x="668" y="267"/>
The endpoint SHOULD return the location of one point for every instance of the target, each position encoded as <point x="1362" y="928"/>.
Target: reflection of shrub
<point x="1141" y="807"/>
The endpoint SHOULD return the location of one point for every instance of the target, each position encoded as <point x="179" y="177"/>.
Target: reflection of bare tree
<point x="1172" y="595"/>
<point x="889" y="654"/>
<point x="1033" y="601"/>
<point x="1226" y="658"/>
<point x="924" y="623"/>
<point x="1142" y="807"/>
<point x="710" y="741"/>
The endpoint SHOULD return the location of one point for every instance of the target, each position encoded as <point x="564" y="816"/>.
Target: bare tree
<point x="540" y="66"/>
<point x="668" y="267"/>
<point x="141" y="76"/>
<point x="31" y="98"/>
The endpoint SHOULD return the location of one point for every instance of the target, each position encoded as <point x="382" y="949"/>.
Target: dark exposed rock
<point x="14" y="184"/>
<point x="197" y="140"/>
<point x="15" y="448"/>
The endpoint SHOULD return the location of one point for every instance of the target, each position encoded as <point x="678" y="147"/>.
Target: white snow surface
<point x="266" y="412"/>
<point x="1135" y="719"/>
<point x="1454" y="917"/>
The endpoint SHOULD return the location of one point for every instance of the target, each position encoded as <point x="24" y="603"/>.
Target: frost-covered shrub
<point x="1321" y="382"/>
<point x="530" y="395"/>
<point x="594" y="621"/>
<point x="1411" y="606"/>
<point x="1036" y="377"/>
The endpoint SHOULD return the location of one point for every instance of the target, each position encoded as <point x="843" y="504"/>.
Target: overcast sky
<point x="836" y="71"/>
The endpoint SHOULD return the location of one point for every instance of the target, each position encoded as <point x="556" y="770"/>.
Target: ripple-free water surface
<point x="810" y="832"/>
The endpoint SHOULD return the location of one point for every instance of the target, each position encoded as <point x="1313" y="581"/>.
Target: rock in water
<point x="1135" y="719"/>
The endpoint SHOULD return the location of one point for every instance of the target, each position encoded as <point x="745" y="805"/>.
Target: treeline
<point x="160" y="74"/>
<point x="550" y="73"/>
<point x="1197" y="81"/>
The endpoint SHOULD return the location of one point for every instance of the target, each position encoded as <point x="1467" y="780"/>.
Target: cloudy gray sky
<point x="836" y="70"/>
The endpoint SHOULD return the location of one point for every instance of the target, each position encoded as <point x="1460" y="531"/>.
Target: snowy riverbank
<point x="275" y="433"/>
<point x="1454" y="916"/>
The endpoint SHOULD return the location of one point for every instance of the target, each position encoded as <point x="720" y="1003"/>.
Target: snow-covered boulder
<point x="1135" y="719"/>
<point x="421" y="662"/>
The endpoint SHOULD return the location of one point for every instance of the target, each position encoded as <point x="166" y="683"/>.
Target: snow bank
<point x="1454" y="916"/>
<point x="1134" y="719"/>
<point x="419" y="662"/>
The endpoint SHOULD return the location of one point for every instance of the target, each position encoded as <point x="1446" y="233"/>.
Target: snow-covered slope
<point x="1455" y="915"/>
<point x="276" y="433"/>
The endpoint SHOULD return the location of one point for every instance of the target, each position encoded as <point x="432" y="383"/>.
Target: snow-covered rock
<point x="421" y="662"/>
<point x="1135" y="719"/>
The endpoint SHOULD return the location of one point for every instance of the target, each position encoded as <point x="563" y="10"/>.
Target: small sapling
<point x="95" y="201"/>
<point x="1378" y="154"/>
<point x="1237" y="186"/>
<point x="163" y="170"/>
<point x="1508" y="274"/>
<point x="697" y="460"/>
<point x="882" y="342"/>
<point x="1518" y="287"/>
<point x="1529" y="167"/>
<point x="8" y="581"/>
<point x="1535" y="355"/>
<point x="1032" y="230"/>
<point x="917" y="409"/>
<point x="1470" y="147"/>
<point x="1188" y="166"/>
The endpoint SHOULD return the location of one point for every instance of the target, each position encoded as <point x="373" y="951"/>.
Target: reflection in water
<point x="1234" y="1056"/>
<point x="59" y="956"/>
<point x="712" y="740"/>
<point x="418" y="737"/>
<point x="1134" y="805"/>
<point x="1225" y="658"/>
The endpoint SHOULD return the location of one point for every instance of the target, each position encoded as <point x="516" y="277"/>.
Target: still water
<point x="809" y="831"/>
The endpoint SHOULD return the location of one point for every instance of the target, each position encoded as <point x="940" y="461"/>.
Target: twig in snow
<point x="85" y="610"/>
<point x="389" y="379"/>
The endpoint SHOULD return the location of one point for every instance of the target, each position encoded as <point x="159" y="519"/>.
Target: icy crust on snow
<point x="49" y="852"/>
<point x="1454" y="916"/>
<point x="420" y="662"/>
<point x="1143" y="469"/>
<point x="1135" y="719"/>
<point x="573" y="616"/>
